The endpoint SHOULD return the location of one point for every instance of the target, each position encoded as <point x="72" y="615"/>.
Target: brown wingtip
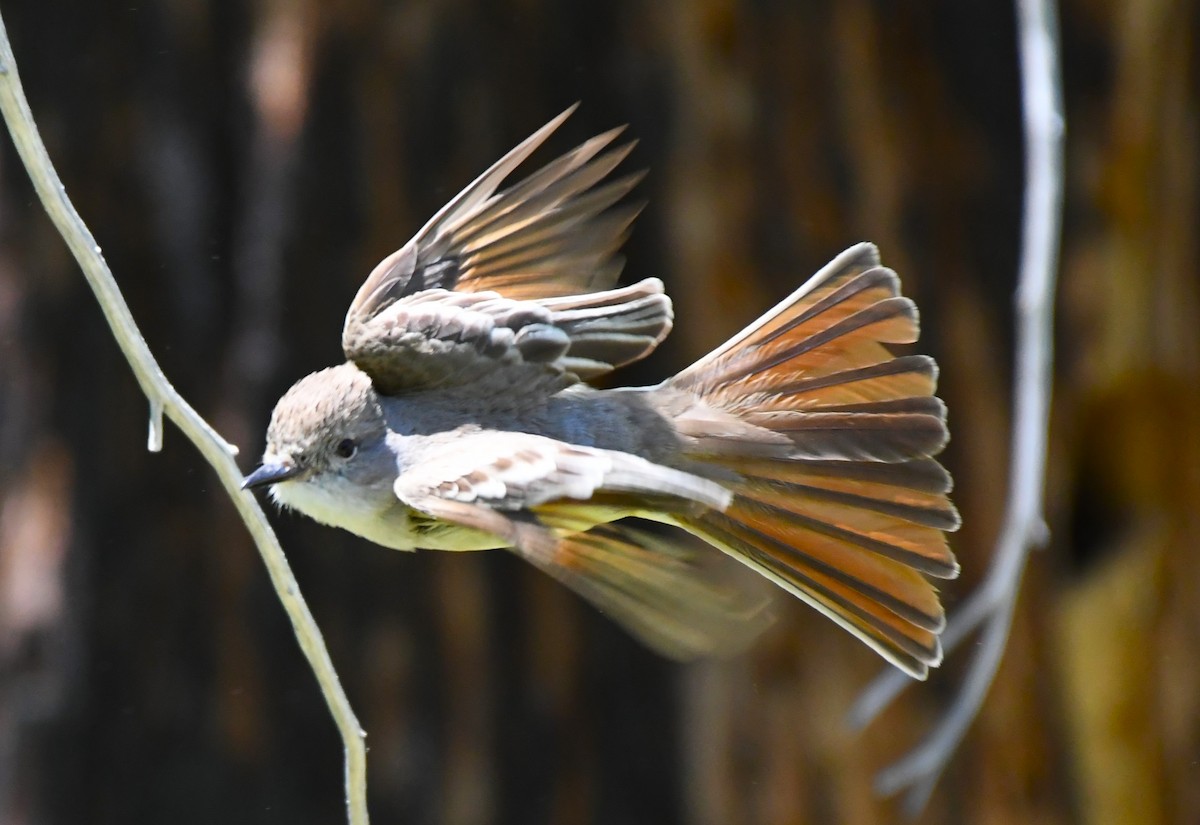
<point x="562" y="116"/>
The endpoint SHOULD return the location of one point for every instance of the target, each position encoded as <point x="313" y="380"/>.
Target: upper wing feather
<point x="495" y="283"/>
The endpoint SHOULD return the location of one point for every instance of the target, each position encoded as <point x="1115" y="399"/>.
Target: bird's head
<point x="328" y="432"/>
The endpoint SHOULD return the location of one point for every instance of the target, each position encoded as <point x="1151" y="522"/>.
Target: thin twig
<point x="164" y="399"/>
<point x="1024" y="527"/>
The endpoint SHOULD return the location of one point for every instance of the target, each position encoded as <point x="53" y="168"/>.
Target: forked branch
<point x="992" y="605"/>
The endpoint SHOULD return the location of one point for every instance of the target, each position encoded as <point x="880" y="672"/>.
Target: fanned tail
<point x="827" y="441"/>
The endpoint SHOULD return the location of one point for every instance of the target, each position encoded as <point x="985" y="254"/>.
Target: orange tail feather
<point x="827" y="441"/>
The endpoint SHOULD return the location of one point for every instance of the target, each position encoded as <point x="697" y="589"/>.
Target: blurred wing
<point x="682" y="601"/>
<point x="523" y="250"/>
<point x="521" y="487"/>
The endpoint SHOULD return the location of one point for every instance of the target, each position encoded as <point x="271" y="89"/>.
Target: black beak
<point x="269" y="474"/>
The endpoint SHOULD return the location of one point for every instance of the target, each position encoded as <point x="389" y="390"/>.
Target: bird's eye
<point x="346" y="448"/>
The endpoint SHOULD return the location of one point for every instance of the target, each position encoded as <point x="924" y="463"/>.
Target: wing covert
<point x="484" y="342"/>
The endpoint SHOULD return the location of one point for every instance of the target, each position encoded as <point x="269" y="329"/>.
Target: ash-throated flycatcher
<point x="461" y="421"/>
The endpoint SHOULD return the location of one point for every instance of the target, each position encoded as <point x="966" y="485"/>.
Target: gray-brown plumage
<point x="802" y="447"/>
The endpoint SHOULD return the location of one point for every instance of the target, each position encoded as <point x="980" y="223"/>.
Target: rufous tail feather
<point x="828" y="441"/>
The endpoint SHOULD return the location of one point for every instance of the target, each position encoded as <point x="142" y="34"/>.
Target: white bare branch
<point x="165" y="400"/>
<point x="1024" y="528"/>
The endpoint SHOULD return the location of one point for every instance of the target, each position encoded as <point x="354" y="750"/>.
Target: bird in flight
<point x="462" y="420"/>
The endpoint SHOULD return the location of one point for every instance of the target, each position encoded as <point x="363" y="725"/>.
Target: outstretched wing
<point x="515" y="284"/>
<point x="526" y="489"/>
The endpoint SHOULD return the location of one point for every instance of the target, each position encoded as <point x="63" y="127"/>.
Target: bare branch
<point x="165" y="400"/>
<point x="1024" y="527"/>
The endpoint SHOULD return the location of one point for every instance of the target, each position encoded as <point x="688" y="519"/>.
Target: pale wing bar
<point x="500" y="482"/>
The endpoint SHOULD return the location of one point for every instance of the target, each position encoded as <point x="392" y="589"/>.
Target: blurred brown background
<point x="243" y="165"/>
